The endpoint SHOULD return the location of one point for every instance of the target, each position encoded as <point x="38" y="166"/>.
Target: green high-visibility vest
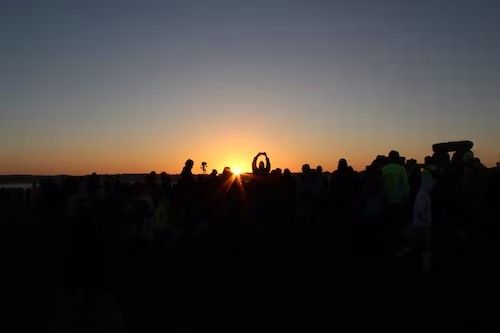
<point x="396" y="187"/>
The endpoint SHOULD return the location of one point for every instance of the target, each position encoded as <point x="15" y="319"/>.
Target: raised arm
<point x="254" y="163"/>
<point x="268" y="165"/>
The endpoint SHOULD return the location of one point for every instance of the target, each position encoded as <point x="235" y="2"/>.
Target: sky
<point x="133" y="86"/>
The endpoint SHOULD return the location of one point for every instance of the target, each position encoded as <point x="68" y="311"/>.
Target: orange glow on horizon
<point x="234" y="149"/>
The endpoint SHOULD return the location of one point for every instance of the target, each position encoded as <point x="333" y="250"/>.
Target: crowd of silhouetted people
<point x="268" y="244"/>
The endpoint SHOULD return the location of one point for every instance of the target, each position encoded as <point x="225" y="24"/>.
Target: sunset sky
<point x="134" y="86"/>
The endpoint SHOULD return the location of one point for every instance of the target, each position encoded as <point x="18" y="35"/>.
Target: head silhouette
<point x="441" y="158"/>
<point x="189" y="164"/>
<point x="468" y="157"/>
<point x="411" y="162"/>
<point x="306" y="168"/>
<point x="276" y="172"/>
<point x="342" y="164"/>
<point x="164" y="177"/>
<point x="151" y="178"/>
<point x="226" y="173"/>
<point x="261" y="165"/>
<point x="393" y="157"/>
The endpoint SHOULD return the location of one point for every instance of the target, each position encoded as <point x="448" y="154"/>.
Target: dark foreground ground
<point x="82" y="259"/>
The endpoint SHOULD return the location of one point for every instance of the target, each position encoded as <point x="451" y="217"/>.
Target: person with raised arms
<point x="262" y="170"/>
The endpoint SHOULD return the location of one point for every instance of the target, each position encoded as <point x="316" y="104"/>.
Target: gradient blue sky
<point x="133" y="86"/>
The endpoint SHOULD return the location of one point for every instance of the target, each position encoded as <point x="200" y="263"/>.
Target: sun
<point x="237" y="171"/>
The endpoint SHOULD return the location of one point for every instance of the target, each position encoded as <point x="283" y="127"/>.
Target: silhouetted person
<point x="152" y="186"/>
<point x="93" y="183"/>
<point x="226" y="173"/>
<point x="427" y="162"/>
<point x="396" y="194"/>
<point x="165" y="182"/>
<point x="306" y="177"/>
<point x="150" y="179"/>
<point x="288" y="179"/>
<point x="414" y="179"/>
<point x="276" y="172"/>
<point x="422" y="220"/>
<point x="306" y="169"/>
<point x="213" y="174"/>
<point x="396" y="186"/>
<point x="262" y="170"/>
<point x="305" y="192"/>
<point x="186" y="176"/>
<point x="469" y="188"/>
<point x="344" y="186"/>
<point x="371" y="201"/>
<point x="320" y="185"/>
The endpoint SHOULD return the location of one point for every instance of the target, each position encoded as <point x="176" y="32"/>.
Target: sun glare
<point x="237" y="171"/>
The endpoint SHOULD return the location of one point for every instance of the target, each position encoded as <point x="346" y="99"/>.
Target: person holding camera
<point x="262" y="170"/>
